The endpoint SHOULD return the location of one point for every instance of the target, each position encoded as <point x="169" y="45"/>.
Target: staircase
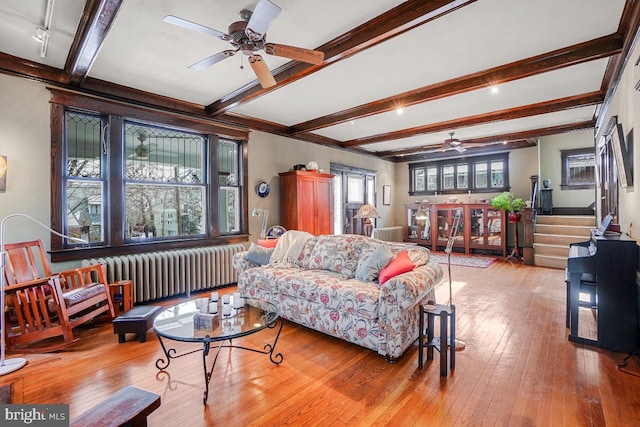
<point x="554" y="233"/>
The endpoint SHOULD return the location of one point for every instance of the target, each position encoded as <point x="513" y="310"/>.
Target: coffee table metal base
<point x="171" y="353"/>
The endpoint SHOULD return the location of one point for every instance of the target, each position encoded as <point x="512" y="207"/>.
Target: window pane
<point x="371" y="190"/>
<point x="84" y="210"/>
<point x="432" y="179"/>
<point x="84" y="151"/>
<point x="497" y="174"/>
<point x="355" y="189"/>
<point x="448" y="178"/>
<point x="481" y="175"/>
<point x="581" y="169"/>
<point x="418" y="179"/>
<point x="163" y="211"/>
<point x="229" y="209"/>
<point x="228" y="162"/>
<point x="463" y="176"/>
<point x="163" y="155"/>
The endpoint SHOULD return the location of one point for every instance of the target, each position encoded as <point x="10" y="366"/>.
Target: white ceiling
<point x="144" y="53"/>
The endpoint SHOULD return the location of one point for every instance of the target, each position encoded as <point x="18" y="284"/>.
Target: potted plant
<point x="509" y="203"/>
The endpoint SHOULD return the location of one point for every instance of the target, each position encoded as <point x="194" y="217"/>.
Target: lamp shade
<point x="367" y="211"/>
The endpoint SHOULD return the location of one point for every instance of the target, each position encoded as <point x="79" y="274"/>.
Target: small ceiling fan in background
<point x="248" y="36"/>
<point x="458" y="145"/>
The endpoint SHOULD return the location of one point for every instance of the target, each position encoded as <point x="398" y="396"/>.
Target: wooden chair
<point x="43" y="305"/>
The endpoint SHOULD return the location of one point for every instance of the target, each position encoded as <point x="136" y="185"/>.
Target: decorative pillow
<point x="259" y="255"/>
<point x="268" y="243"/>
<point x="369" y="269"/>
<point x="400" y="264"/>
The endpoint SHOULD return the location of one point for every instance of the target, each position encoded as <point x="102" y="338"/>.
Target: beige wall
<point x="551" y="167"/>
<point x="272" y="154"/>
<point x="626" y="105"/>
<point x="25" y="140"/>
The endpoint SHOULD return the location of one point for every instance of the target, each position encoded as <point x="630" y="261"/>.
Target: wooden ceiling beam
<point x="402" y="18"/>
<point x="508" y="137"/>
<point x="475" y="151"/>
<point x="576" y="54"/>
<point x="96" y="20"/>
<point x="561" y="104"/>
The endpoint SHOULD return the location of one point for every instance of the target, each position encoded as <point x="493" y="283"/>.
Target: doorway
<point x="353" y="187"/>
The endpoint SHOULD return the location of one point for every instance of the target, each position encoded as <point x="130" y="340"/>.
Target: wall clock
<point x="263" y="189"/>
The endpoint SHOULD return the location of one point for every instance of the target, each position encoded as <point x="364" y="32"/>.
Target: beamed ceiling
<point x="499" y="74"/>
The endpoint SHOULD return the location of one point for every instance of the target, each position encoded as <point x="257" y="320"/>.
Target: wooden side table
<point x="121" y="295"/>
<point x="445" y="343"/>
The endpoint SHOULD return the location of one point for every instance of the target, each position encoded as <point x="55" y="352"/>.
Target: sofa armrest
<point x="408" y="289"/>
<point x="241" y="263"/>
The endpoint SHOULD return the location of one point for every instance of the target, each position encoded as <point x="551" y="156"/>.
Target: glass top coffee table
<point x="191" y="321"/>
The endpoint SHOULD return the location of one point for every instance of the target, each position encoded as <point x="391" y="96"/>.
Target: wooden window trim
<point x="62" y="100"/>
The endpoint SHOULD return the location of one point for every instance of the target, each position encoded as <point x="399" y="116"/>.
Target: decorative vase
<point x="546" y="183"/>
<point x="514" y="216"/>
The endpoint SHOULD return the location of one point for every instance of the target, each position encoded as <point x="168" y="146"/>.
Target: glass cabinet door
<point x="494" y="228"/>
<point x="477" y="230"/>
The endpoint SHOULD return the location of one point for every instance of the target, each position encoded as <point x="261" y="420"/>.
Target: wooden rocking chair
<point x="42" y="305"/>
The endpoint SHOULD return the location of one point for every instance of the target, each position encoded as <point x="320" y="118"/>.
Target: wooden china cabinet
<point x="481" y="228"/>
<point x="306" y="201"/>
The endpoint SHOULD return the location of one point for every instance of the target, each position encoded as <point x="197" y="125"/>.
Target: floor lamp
<point x="265" y="216"/>
<point x="11" y="365"/>
<point x="460" y="345"/>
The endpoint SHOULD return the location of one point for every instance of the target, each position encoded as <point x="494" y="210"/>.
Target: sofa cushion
<point x="305" y="255"/>
<point x="400" y="264"/>
<point x="370" y="267"/>
<point x="340" y="253"/>
<point x="268" y="243"/>
<point x="327" y="288"/>
<point x="419" y="255"/>
<point x="258" y="254"/>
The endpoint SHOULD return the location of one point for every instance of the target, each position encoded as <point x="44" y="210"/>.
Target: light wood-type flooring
<point x="518" y="369"/>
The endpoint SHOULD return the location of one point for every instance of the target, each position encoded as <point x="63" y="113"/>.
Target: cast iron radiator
<point x="389" y="234"/>
<point x="167" y="273"/>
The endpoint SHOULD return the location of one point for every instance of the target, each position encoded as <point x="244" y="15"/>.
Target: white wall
<point x="626" y="105"/>
<point x="551" y="167"/>
<point x="25" y="140"/>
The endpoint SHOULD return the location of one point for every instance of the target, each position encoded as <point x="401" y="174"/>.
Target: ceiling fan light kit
<point x="249" y="36"/>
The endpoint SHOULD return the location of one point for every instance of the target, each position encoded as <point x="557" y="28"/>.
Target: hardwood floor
<point x="518" y="369"/>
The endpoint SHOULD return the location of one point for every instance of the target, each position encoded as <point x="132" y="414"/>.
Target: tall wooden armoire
<point x="306" y="201"/>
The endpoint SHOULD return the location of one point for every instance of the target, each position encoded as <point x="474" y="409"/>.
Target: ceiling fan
<point x="462" y="146"/>
<point x="248" y="36"/>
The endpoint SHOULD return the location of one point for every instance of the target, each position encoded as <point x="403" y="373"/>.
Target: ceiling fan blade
<point x="170" y="19"/>
<point x="298" y="53"/>
<point x="213" y="59"/>
<point x="262" y="71"/>
<point x="261" y="18"/>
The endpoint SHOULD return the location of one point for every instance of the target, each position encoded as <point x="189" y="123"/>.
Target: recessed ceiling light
<point x="494" y="89"/>
<point x="400" y="110"/>
<point x="351" y="122"/>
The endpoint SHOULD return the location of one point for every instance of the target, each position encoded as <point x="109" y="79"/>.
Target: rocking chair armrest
<point x="32" y="283"/>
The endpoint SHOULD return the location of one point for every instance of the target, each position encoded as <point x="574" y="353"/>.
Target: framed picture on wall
<point x="3" y="174"/>
<point x="623" y="152"/>
<point x="386" y="195"/>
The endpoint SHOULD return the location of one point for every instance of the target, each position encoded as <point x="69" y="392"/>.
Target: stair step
<point x="569" y="230"/>
<point x="551" y="250"/>
<point x="550" y="261"/>
<point x="587" y="221"/>
<point x="557" y="239"/>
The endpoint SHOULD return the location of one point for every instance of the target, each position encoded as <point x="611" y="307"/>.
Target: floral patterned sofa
<point x="320" y="291"/>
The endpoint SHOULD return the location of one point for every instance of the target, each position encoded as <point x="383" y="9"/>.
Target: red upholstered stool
<point x="138" y="320"/>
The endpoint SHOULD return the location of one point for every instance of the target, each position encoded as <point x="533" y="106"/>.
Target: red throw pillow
<point x="268" y="243"/>
<point x="400" y="264"/>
